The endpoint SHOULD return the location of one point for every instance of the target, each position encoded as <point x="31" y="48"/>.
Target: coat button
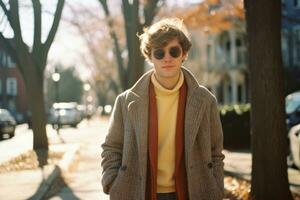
<point x="124" y="167"/>
<point x="210" y="165"/>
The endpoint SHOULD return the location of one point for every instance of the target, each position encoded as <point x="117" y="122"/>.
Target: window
<point x="240" y="49"/>
<point x="11" y="86"/>
<point x="208" y="55"/>
<point x="228" y="52"/>
<point x="3" y="59"/>
<point x="240" y="93"/>
<point x="296" y="37"/>
<point x="284" y="47"/>
<point x="297" y="3"/>
<point x="6" y="60"/>
<point x="10" y="62"/>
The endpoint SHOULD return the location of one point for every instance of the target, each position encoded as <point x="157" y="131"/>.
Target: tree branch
<point x="15" y="22"/>
<point x="37" y="25"/>
<point x="4" y="8"/>
<point x="52" y="32"/>
<point x="150" y="10"/>
<point x="105" y="7"/>
<point x="126" y="9"/>
<point x="6" y="12"/>
<point x="121" y="68"/>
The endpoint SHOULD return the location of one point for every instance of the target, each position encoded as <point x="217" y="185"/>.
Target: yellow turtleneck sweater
<point x="167" y="105"/>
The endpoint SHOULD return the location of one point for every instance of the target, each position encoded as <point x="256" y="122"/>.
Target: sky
<point x="67" y="44"/>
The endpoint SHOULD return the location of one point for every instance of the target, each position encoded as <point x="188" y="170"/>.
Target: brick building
<point x="12" y="88"/>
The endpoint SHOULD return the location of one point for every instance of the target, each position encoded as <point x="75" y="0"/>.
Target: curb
<point x="55" y="171"/>
<point x="237" y="175"/>
<point x="66" y="164"/>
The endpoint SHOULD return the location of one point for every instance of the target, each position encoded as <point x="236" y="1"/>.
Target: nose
<point x="168" y="57"/>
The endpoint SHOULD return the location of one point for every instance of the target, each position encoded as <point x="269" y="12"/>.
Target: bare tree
<point x="31" y="61"/>
<point x="135" y="19"/>
<point x="269" y="137"/>
<point x="99" y="56"/>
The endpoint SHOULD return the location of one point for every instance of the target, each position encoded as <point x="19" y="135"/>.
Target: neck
<point x="168" y="83"/>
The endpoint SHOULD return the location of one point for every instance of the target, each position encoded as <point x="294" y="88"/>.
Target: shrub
<point x="236" y="125"/>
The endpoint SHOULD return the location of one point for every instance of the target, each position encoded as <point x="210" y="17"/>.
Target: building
<point x="12" y="88"/>
<point x="291" y="43"/>
<point x="291" y="33"/>
<point x="219" y="56"/>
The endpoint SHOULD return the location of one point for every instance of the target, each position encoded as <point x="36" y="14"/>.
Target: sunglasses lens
<point x="159" y="54"/>
<point x="175" y="52"/>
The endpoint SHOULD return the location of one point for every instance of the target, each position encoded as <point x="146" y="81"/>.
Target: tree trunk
<point x="37" y="104"/>
<point x="34" y="87"/>
<point x="32" y="64"/>
<point x="136" y="63"/>
<point x="133" y="26"/>
<point x="269" y="135"/>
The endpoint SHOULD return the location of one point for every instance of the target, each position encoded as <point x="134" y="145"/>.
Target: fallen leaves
<point x="28" y="160"/>
<point x="236" y="189"/>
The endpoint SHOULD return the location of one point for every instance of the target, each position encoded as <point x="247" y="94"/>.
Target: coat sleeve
<point x="217" y="144"/>
<point x="112" y="147"/>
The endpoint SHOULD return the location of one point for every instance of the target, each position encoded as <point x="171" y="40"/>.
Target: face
<point x="167" y="61"/>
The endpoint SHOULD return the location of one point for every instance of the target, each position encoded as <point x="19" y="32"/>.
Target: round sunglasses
<point x="159" y="54"/>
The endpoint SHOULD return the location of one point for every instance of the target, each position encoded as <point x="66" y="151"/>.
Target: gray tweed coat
<point x="124" y="156"/>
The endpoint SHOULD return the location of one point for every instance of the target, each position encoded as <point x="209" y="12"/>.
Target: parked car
<point x="294" y="137"/>
<point x="7" y="124"/>
<point x="292" y="109"/>
<point x="65" y="114"/>
<point x="82" y="110"/>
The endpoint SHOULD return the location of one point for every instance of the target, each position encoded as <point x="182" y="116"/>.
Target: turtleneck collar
<point x="164" y="91"/>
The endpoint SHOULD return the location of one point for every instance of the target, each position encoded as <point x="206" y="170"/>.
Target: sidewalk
<point x="238" y="164"/>
<point x="38" y="183"/>
<point x="34" y="184"/>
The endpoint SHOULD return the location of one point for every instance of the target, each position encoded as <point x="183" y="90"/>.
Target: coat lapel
<point x="138" y="112"/>
<point x="193" y="111"/>
<point x="138" y="107"/>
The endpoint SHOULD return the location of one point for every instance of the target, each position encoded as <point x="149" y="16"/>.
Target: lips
<point x="167" y="67"/>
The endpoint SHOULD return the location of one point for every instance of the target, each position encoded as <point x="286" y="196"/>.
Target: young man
<point x="165" y="138"/>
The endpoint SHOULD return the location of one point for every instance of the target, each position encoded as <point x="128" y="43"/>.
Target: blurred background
<point x="94" y="54"/>
<point x="62" y="63"/>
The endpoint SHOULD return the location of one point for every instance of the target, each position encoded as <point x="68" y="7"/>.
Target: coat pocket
<point x="218" y="191"/>
<point x="116" y="182"/>
<point x="119" y="185"/>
